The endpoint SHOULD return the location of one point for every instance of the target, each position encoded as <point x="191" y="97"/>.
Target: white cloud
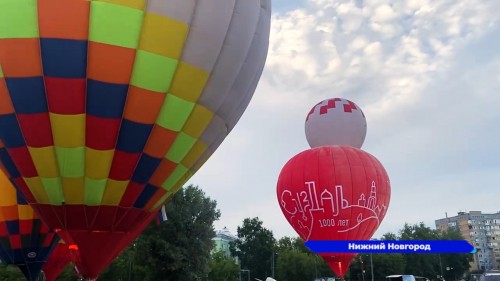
<point x="426" y="75"/>
<point x="384" y="13"/>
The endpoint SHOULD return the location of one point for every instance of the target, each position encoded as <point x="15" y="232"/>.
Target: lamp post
<point x="440" y="265"/>
<point x="371" y="267"/>
<point x="454" y="275"/>
<point x="371" y="263"/>
<point x="362" y="268"/>
<point x="273" y="263"/>
<point x="131" y="260"/>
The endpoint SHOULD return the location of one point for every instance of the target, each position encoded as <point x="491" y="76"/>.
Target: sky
<point x="426" y="74"/>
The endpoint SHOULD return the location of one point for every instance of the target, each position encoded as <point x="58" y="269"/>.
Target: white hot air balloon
<point x="335" y="121"/>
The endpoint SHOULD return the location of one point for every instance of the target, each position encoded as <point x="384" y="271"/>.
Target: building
<point x="221" y="241"/>
<point x="482" y="231"/>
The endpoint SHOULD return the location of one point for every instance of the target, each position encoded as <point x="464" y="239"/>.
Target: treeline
<point x="180" y="249"/>
<point x="290" y="260"/>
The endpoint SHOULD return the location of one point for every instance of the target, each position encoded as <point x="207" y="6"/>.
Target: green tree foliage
<point x="426" y="265"/>
<point x="383" y="265"/>
<point x="389" y="236"/>
<point x="294" y="265"/>
<point x="454" y="265"/>
<point x="284" y="243"/>
<point x="387" y="264"/>
<point x="68" y="274"/>
<point x="292" y="254"/>
<point x="179" y="249"/>
<point x="222" y="268"/>
<point x="254" y="248"/>
<point x="287" y="243"/>
<point x="10" y="273"/>
<point x="121" y="268"/>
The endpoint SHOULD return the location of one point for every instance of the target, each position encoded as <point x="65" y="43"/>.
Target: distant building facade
<point x="482" y="231"/>
<point x="221" y="241"/>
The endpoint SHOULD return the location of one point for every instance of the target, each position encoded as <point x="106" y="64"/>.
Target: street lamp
<point x="454" y="274"/>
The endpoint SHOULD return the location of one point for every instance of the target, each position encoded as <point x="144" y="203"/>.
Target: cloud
<point x="426" y="74"/>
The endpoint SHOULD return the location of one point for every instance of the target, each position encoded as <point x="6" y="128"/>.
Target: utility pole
<point x="440" y="266"/>
<point x="371" y="266"/>
<point x="362" y="268"/>
<point x="272" y="265"/>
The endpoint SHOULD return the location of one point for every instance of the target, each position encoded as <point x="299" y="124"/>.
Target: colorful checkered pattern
<point x="119" y="102"/>
<point x="24" y="239"/>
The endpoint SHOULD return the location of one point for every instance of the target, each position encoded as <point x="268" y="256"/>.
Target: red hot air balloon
<point x="334" y="193"/>
<point x="335" y="121"/>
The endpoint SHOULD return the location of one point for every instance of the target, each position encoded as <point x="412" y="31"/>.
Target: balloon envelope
<point x="57" y="261"/>
<point x="334" y="193"/>
<point x="108" y="107"/>
<point x="25" y="240"/>
<point x="335" y="121"/>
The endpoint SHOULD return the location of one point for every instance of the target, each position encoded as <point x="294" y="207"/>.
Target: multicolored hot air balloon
<point x="108" y="106"/>
<point x="25" y="240"/>
<point x="335" y="121"/>
<point x="334" y="193"/>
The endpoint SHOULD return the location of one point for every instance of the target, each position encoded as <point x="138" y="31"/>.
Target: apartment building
<point x="482" y="230"/>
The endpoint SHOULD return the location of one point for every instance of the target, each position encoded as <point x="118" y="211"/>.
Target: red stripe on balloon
<point x="65" y="95"/>
<point x="36" y="129"/>
<point x="123" y="165"/>
<point x="102" y="133"/>
<point x="22" y="158"/>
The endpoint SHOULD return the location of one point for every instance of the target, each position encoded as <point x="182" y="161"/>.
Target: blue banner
<point x="389" y="246"/>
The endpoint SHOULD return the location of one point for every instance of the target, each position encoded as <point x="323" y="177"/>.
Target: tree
<point x="179" y="248"/>
<point x="454" y="265"/>
<point x="284" y="243"/>
<point x="10" y="273"/>
<point x="121" y="267"/>
<point x="389" y="236"/>
<point x="287" y="243"/>
<point x="426" y="265"/>
<point x="222" y="268"/>
<point x="387" y="264"/>
<point x="254" y="247"/>
<point x="292" y="255"/>
<point x="294" y="265"/>
<point x="69" y="274"/>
